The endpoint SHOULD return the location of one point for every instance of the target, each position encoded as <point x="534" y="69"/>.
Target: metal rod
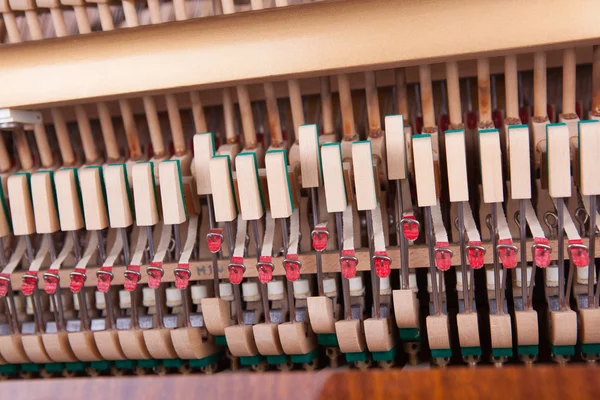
<point x="101" y="249"/>
<point x="215" y="257"/>
<point x="29" y="246"/>
<point x="150" y="242"/>
<point x="404" y="276"/>
<point x="76" y="248"/>
<point x="126" y="253"/>
<point x="83" y="315"/>
<point x="315" y="210"/>
<point x="110" y="311"/>
<point x="561" y="251"/>
<point x="237" y="299"/>
<point x="51" y="247"/>
<point x="463" y="256"/>
<point x="497" y="284"/>
<point x="523" y="240"/>
<point x="289" y="284"/>
<point x="592" y="251"/>
<point x="229" y="234"/>
<point x="177" y="242"/>
<point x="374" y="277"/>
<point x="3" y="260"/>
<point x="432" y="268"/>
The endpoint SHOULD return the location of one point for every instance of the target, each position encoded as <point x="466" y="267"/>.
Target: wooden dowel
<point x="156" y="137"/>
<point x="402" y="93"/>
<point x="345" y="94"/>
<point x="85" y="131"/>
<point x="131" y="131"/>
<point x="273" y="115"/>
<point x="326" y="106"/>
<point x="5" y="163"/>
<point x="228" y="6"/>
<point x="35" y="29"/>
<point x="453" y="85"/>
<point x="247" y="117"/>
<point x="569" y="82"/>
<point x="256" y="4"/>
<point x="596" y="82"/>
<point x="198" y="113"/>
<point x="373" y="114"/>
<point x="10" y="21"/>
<point x="59" y="22"/>
<point x="229" y="116"/>
<point x="39" y="130"/>
<point x="130" y="13"/>
<point x="83" y="21"/>
<point x="540" y="109"/>
<point x="62" y="136"/>
<point x="23" y="150"/>
<point x="296" y="104"/>
<point x="41" y="139"/>
<point x="511" y="85"/>
<point x="175" y="123"/>
<point x="154" y="9"/>
<point x="106" y="18"/>
<point x="108" y="133"/>
<point x="484" y="97"/>
<point x="180" y="10"/>
<point x="281" y="3"/>
<point x="426" y="96"/>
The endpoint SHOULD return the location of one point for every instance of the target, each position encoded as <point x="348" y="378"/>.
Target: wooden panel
<point x="267" y="44"/>
<point x="548" y="382"/>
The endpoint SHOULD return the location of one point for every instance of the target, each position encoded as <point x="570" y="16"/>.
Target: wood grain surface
<point x="547" y="382"/>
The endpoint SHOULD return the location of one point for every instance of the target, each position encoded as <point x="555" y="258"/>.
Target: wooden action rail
<point x="312" y="86"/>
<point x="202" y="269"/>
<point x="200" y="54"/>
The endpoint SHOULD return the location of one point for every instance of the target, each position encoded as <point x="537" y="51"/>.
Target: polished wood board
<point x="516" y="382"/>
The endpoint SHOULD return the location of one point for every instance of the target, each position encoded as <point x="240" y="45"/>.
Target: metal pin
<point x="463" y="257"/>
<point x="215" y="257"/>
<point x="561" y="251"/>
<point x="289" y="284"/>
<point x="432" y="269"/>
<point x="315" y="210"/>
<point x="592" y="303"/>
<point x="345" y="283"/>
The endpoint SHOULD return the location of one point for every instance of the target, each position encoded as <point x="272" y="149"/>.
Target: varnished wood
<point x="173" y="55"/>
<point x="548" y="382"/>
